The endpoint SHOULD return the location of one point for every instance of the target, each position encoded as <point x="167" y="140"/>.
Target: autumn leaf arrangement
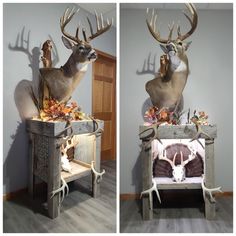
<point x="200" y="119"/>
<point x="57" y="111"/>
<point x="165" y="117"/>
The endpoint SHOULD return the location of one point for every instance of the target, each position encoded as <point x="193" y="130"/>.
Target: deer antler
<point x="190" y="157"/>
<point x="163" y="157"/>
<point x="149" y="192"/>
<point x="152" y="136"/>
<point x="155" y="33"/>
<point x="200" y="133"/>
<point x="62" y="188"/>
<point x="152" y="28"/>
<point x="209" y="191"/>
<point x="101" y="28"/>
<point x="65" y="148"/>
<point x="193" y="22"/>
<point x="65" y="164"/>
<point x="98" y="176"/>
<point x="65" y="19"/>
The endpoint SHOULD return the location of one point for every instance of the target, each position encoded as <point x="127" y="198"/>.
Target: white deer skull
<point x="178" y="171"/>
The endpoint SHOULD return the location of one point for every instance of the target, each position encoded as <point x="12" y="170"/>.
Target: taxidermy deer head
<point x="178" y="171"/>
<point x="166" y="89"/>
<point x="59" y="83"/>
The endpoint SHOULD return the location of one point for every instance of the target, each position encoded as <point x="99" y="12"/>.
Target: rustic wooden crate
<point x="45" y="141"/>
<point x="176" y="132"/>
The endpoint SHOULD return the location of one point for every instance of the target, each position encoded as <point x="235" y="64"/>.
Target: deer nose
<point x="92" y="55"/>
<point x="170" y="47"/>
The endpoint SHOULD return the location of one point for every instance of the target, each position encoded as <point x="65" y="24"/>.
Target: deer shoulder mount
<point x="178" y="171"/>
<point x="59" y="83"/>
<point x="166" y="89"/>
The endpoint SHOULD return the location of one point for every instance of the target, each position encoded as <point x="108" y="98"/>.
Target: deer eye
<point x="81" y="48"/>
<point x="180" y="43"/>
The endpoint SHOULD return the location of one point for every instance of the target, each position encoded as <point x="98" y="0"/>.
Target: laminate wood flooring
<point x="80" y="213"/>
<point x="176" y="220"/>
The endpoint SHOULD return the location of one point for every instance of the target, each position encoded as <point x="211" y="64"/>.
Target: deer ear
<point x="186" y="46"/>
<point x="163" y="47"/>
<point x="68" y="44"/>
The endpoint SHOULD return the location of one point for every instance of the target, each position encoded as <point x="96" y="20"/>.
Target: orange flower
<point x="163" y="115"/>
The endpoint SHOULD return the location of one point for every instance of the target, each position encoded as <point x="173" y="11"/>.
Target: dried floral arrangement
<point x="200" y="119"/>
<point x="165" y="117"/>
<point x="161" y="117"/>
<point x="56" y="111"/>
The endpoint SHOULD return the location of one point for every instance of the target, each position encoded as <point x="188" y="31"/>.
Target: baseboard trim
<point x="12" y="195"/>
<point x="135" y="196"/>
<point x="224" y="194"/>
<point x="123" y="196"/>
<point x="129" y="196"/>
<point x="15" y="194"/>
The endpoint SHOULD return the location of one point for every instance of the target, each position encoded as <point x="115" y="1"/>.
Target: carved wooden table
<point x="176" y="132"/>
<point x="45" y="141"/>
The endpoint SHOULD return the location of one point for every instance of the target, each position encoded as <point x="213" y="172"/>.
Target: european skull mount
<point x="59" y="83"/>
<point x="166" y="89"/>
<point x="178" y="171"/>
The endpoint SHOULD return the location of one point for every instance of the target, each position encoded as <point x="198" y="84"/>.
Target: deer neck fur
<point x="61" y="82"/>
<point x="178" y="71"/>
<point x="73" y="68"/>
<point x="74" y="71"/>
<point x="167" y="91"/>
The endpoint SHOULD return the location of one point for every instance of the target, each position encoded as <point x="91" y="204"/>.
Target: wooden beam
<point x="176" y="131"/>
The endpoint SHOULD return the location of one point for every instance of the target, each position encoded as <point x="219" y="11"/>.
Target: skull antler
<point x="178" y="171"/>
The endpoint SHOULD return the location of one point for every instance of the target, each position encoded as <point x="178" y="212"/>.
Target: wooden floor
<point x="80" y="212"/>
<point x="176" y="220"/>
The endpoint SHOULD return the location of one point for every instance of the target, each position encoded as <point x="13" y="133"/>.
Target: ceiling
<point x="107" y="9"/>
<point x="202" y="6"/>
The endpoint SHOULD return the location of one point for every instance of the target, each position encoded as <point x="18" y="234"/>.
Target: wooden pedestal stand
<point x="45" y="140"/>
<point x="177" y="132"/>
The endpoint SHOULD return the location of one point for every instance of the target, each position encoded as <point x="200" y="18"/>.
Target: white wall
<point x="209" y="87"/>
<point x="41" y="20"/>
